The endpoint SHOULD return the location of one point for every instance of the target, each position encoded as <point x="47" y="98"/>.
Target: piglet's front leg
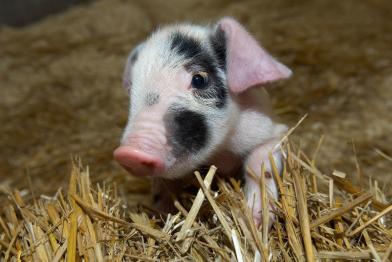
<point x="258" y="157"/>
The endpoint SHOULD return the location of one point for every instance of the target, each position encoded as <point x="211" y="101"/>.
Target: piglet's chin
<point x="139" y="163"/>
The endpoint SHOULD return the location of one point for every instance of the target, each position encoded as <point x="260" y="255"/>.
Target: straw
<point x="94" y="222"/>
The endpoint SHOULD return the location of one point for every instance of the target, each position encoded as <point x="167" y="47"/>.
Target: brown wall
<point x="23" y="12"/>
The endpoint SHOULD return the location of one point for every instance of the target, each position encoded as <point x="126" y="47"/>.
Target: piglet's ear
<point x="247" y="63"/>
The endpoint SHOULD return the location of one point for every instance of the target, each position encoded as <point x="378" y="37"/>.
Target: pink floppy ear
<point x="247" y="63"/>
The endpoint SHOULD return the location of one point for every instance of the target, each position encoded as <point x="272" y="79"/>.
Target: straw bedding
<point x="94" y="223"/>
<point x="61" y="96"/>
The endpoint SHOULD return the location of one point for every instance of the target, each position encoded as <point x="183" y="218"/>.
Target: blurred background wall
<point x="23" y="12"/>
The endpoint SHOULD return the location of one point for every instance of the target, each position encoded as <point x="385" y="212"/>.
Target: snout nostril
<point x="148" y="164"/>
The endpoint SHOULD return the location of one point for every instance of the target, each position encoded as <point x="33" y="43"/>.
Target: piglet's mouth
<point x="138" y="162"/>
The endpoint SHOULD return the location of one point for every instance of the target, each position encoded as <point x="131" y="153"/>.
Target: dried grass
<point x="93" y="223"/>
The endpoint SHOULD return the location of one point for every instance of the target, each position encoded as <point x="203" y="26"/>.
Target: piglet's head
<point x="181" y="83"/>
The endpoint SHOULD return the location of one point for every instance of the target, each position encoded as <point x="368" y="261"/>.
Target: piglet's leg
<point x="259" y="156"/>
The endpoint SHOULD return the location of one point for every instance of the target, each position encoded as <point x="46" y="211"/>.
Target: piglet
<point x="197" y="99"/>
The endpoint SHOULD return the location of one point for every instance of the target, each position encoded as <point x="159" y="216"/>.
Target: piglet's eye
<point x="199" y="80"/>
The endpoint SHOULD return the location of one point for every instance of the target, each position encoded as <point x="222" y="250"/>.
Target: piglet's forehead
<point x="178" y="46"/>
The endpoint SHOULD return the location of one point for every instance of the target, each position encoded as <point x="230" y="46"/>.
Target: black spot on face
<point x="193" y="50"/>
<point x="221" y="93"/>
<point x="217" y="91"/>
<point x="131" y="60"/>
<point x="133" y="57"/>
<point x="135" y="54"/>
<point x="185" y="45"/>
<point x="151" y="99"/>
<point x="187" y="131"/>
<point x="218" y="43"/>
<point x="200" y="58"/>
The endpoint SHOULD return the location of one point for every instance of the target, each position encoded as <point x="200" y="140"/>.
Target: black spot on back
<point x="187" y="131"/>
<point x="218" y="43"/>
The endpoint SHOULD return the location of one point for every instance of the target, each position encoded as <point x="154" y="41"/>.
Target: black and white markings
<point x="188" y="131"/>
<point x="218" y="43"/>
<point x="200" y="58"/>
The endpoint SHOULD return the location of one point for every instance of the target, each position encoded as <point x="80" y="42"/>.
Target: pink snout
<point x="139" y="163"/>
